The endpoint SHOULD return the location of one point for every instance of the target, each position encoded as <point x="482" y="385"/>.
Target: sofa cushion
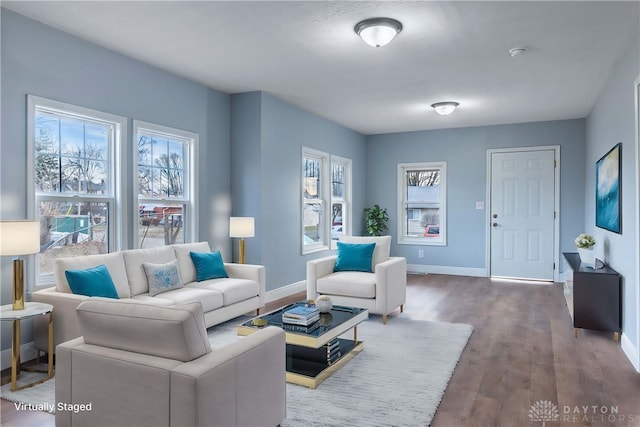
<point x="92" y="282"/>
<point x="162" y="277"/>
<point x="185" y="263"/>
<point x="380" y="253"/>
<point x="211" y="300"/>
<point x="233" y="290"/>
<point x="176" y="333"/>
<point x="348" y="283"/>
<point x="113" y="261"/>
<point x="354" y="257"/>
<point x="209" y="265"/>
<point x="133" y="260"/>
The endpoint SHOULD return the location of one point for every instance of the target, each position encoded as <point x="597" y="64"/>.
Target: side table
<point x="31" y="309"/>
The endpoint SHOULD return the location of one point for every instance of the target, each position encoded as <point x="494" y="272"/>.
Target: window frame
<point x="117" y="202"/>
<point x="190" y="183"/>
<point x="345" y="200"/>
<point x="403" y="239"/>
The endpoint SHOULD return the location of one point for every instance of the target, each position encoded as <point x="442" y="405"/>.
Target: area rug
<point x="397" y="380"/>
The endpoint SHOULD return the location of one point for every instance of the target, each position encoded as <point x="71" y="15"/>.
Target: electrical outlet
<point x="420" y="253"/>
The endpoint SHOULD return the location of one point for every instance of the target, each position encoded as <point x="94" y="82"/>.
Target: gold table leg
<point x="15" y="355"/>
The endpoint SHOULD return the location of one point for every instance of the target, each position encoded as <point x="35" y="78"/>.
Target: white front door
<point x="522" y="214"/>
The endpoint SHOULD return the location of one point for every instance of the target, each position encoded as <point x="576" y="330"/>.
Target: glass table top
<point x="328" y="321"/>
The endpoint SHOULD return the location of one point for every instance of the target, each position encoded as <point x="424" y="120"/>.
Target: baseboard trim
<point x="443" y="269"/>
<point x="27" y="352"/>
<point x="630" y="351"/>
<point x="285" y="291"/>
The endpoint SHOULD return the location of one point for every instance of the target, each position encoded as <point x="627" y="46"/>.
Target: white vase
<point x="324" y="304"/>
<point x="588" y="256"/>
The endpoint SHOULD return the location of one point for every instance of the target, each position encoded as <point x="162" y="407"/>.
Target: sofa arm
<point x="317" y="269"/>
<point x="65" y="322"/>
<point x="242" y="384"/>
<point x="391" y="284"/>
<point x="63" y="379"/>
<point x="250" y="272"/>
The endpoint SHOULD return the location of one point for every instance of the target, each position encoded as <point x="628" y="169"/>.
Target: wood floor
<point x="522" y="351"/>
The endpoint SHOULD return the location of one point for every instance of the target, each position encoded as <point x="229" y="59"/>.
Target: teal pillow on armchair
<point x="209" y="265"/>
<point x="354" y="257"/>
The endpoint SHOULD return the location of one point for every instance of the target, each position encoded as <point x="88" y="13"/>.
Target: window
<point x="75" y="184"/>
<point x="314" y="170"/>
<point x="165" y="185"/>
<point x="326" y="200"/>
<point x="422" y="203"/>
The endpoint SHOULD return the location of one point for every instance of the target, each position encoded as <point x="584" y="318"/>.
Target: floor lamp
<point x="241" y="227"/>
<point x="19" y="238"/>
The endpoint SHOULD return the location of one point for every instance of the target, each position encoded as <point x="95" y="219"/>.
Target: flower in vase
<point x="585" y="241"/>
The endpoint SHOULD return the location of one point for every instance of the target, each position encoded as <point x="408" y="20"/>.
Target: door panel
<point x="522" y="214"/>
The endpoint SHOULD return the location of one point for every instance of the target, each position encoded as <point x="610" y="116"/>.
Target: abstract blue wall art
<point x="608" y="204"/>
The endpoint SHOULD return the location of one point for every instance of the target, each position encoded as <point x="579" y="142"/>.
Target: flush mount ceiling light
<point x="378" y="32"/>
<point x="517" y="51"/>
<point x="445" y="108"/>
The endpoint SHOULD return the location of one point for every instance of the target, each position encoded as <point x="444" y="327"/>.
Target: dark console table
<point x="593" y="296"/>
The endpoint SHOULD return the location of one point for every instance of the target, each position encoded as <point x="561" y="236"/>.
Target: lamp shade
<point x="241" y="226"/>
<point x="19" y="237"/>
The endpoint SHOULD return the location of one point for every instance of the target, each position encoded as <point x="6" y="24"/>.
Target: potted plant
<point x="375" y="220"/>
<point x="586" y="243"/>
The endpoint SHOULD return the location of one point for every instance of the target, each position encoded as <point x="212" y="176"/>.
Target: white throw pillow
<point x="162" y="277"/>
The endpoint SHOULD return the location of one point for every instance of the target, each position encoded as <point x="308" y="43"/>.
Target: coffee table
<point x="308" y="361"/>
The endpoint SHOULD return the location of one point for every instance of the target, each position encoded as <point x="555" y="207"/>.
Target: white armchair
<point x="380" y="292"/>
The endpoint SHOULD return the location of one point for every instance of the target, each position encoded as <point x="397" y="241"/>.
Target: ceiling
<point x="307" y="53"/>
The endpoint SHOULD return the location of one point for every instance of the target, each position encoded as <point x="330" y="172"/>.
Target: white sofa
<point x="380" y="292"/>
<point x="221" y="299"/>
<point x="142" y="365"/>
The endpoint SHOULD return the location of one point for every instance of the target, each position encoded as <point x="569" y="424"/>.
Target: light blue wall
<point x="284" y="130"/>
<point x="39" y="60"/>
<point x="613" y="120"/>
<point x="465" y="151"/>
<point x="246" y="168"/>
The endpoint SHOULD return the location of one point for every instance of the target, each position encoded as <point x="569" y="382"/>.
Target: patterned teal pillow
<point x="162" y="277"/>
<point x="92" y="282"/>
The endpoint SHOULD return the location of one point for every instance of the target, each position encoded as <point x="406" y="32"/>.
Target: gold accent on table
<point x="259" y="322"/>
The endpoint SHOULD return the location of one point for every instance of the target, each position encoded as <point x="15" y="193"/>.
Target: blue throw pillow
<point x="162" y="277"/>
<point x="354" y="257"/>
<point x="208" y="265"/>
<point x="93" y="282"/>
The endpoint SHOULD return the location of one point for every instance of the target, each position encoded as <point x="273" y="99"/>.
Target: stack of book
<point x="301" y="315"/>
<point x="333" y="351"/>
<point x="301" y="329"/>
<point x="325" y="355"/>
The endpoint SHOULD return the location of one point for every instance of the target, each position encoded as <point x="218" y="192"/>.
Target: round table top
<point x="31" y="309"/>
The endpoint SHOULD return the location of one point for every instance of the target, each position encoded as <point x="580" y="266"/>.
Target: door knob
<point x="495" y="224"/>
<point x="495" y="215"/>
